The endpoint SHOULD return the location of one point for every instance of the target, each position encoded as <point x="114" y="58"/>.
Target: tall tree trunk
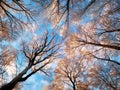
<point x="8" y="86"/>
<point x="16" y="80"/>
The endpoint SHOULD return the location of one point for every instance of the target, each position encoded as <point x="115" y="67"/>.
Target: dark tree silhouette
<point x="39" y="55"/>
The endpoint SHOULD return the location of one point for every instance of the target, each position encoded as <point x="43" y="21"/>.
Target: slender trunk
<point x="74" y="86"/>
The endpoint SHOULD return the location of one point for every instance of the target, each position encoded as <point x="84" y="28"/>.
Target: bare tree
<point x="69" y="72"/>
<point x="38" y="54"/>
<point x="107" y="76"/>
<point x="14" y="15"/>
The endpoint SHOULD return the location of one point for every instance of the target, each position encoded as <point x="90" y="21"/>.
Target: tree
<point x="91" y="30"/>
<point x="15" y="15"/>
<point x="103" y="22"/>
<point x="69" y="73"/>
<point x="98" y="35"/>
<point x="107" y="76"/>
<point x="70" y="70"/>
<point x="38" y="54"/>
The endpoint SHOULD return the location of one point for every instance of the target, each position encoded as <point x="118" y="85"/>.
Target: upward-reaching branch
<point x="38" y="57"/>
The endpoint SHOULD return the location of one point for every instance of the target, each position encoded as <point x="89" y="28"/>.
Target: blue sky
<point x="35" y="82"/>
<point x="34" y="29"/>
<point x="38" y="80"/>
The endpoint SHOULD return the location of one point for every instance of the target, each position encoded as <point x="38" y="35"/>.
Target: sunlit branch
<point x="104" y="59"/>
<point x="48" y="46"/>
<point x="98" y="44"/>
<point x="109" y="31"/>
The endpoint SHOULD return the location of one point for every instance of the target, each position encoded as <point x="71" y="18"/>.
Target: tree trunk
<point x="8" y="86"/>
<point x="74" y="87"/>
<point x="16" y="80"/>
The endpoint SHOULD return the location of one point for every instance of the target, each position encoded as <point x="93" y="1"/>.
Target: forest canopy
<point x="60" y="44"/>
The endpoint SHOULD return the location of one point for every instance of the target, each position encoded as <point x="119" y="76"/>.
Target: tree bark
<point x="74" y="86"/>
<point x="16" y="80"/>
